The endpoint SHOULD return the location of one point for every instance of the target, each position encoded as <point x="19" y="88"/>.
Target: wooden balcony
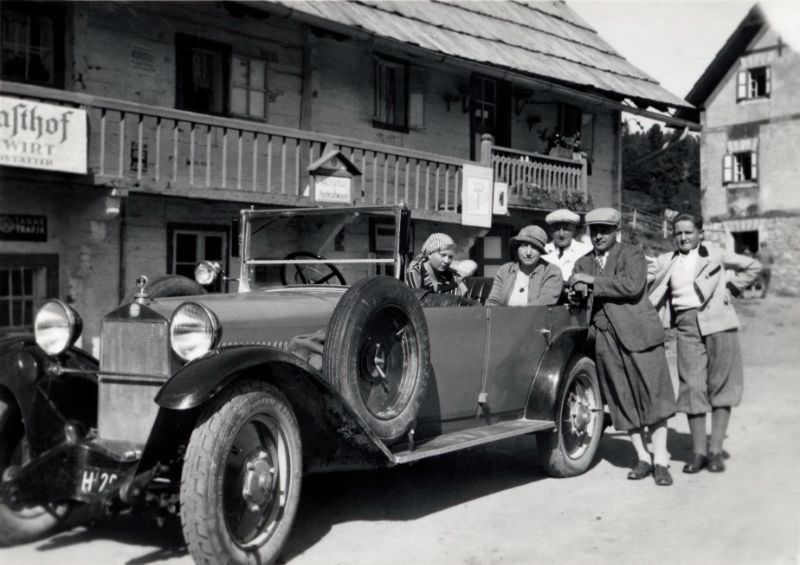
<point x="539" y="181"/>
<point x="151" y="149"/>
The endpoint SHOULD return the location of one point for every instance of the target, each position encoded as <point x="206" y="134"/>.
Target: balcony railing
<point x="146" y="148"/>
<point x="540" y="181"/>
<point x="162" y="150"/>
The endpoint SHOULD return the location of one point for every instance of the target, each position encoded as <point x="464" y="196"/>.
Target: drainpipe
<point x="121" y="261"/>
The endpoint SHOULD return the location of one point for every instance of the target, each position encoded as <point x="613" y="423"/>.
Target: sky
<point x="671" y="40"/>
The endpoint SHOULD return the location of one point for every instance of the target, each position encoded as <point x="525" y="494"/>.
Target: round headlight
<point x="193" y="331"/>
<point x="206" y="272"/>
<point x="56" y="327"/>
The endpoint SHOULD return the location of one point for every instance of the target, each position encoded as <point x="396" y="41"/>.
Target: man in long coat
<point x="629" y="342"/>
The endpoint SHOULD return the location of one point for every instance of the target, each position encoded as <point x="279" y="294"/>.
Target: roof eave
<point x="589" y="93"/>
<point x="741" y="37"/>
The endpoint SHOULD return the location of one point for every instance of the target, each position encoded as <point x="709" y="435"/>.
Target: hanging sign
<point x="477" y="196"/>
<point x="35" y="135"/>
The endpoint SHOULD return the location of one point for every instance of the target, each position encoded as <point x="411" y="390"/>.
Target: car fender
<point x="333" y="435"/>
<point x="563" y="348"/>
<point x="24" y="371"/>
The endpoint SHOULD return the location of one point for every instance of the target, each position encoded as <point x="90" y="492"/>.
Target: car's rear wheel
<point x="570" y="448"/>
<point x="241" y="477"/>
<point x="20" y="524"/>
<point x="377" y="354"/>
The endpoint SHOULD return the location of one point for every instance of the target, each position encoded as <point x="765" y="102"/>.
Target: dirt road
<point x="494" y="506"/>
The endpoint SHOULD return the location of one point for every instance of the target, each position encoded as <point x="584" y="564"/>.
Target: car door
<point x="517" y="338"/>
<point x="457" y="344"/>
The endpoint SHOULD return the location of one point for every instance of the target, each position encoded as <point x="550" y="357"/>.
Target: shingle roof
<point x="544" y="40"/>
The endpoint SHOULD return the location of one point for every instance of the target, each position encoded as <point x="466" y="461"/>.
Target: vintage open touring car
<point x="213" y="407"/>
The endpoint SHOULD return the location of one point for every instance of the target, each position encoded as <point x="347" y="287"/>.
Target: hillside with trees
<point x="660" y="170"/>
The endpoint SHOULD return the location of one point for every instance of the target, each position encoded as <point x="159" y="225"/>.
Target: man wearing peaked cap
<point x="606" y="216"/>
<point x="562" y="215"/>
<point x="629" y="342"/>
<point x="564" y="250"/>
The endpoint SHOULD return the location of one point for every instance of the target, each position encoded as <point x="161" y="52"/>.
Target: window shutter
<point x="727" y="168"/>
<point x="416" y="98"/>
<point x="754" y="166"/>
<point x="768" y="81"/>
<point x="741" y="85"/>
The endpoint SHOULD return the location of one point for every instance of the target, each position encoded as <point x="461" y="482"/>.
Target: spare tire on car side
<point x="377" y="354"/>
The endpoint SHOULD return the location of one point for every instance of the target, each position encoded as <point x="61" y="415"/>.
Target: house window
<point x="189" y="244"/>
<point x="740" y="167"/>
<point x="391" y="94"/>
<point x="32" y="43"/>
<point x="753" y="83"/>
<point x="202" y="77"/>
<point x="490" y="109"/>
<point x="249" y="87"/>
<point x="25" y="282"/>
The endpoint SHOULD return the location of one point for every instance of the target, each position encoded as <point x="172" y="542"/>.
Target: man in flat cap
<point x="564" y="250"/>
<point x="629" y="342"/>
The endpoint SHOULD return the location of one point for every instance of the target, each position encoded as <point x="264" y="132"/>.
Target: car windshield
<point x="319" y="246"/>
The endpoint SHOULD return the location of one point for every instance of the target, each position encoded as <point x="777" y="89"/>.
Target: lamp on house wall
<point x="453" y="97"/>
<point x="450" y="98"/>
<point x="532" y="120"/>
<point x="522" y="96"/>
<point x="464" y="92"/>
<point x="112" y="203"/>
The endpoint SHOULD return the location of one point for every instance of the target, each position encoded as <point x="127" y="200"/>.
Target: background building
<point x="749" y="109"/>
<point x="179" y="114"/>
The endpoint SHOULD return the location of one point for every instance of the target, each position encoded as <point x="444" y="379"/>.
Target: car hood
<point x="264" y="317"/>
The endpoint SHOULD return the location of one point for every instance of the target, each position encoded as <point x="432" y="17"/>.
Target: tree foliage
<point x="664" y="166"/>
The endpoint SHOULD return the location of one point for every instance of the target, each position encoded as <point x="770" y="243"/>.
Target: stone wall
<point x="782" y="237"/>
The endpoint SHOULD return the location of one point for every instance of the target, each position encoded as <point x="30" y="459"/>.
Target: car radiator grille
<point x="135" y="360"/>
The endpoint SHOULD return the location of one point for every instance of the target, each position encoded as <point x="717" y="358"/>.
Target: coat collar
<point x="702" y="258"/>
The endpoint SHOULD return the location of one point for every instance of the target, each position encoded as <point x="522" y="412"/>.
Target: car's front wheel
<point x="570" y="448"/>
<point x="20" y="524"/>
<point x="241" y="477"/>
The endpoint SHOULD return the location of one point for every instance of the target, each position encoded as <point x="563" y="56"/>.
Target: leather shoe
<point x="640" y="471"/>
<point x="695" y="465"/>
<point x="715" y="463"/>
<point x="662" y="476"/>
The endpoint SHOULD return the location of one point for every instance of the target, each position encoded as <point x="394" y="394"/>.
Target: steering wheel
<point x="310" y="274"/>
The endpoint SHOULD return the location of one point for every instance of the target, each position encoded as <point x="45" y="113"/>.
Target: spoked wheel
<point x="20" y="524"/>
<point x="376" y="354"/>
<point x="241" y="477"/>
<point x="570" y="449"/>
<point x="324" y="273"/>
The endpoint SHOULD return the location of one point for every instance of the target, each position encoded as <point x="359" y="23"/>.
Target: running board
<point x="463" y="439"/>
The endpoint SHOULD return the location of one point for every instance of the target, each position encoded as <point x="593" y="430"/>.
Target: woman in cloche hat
<point x="529" y="280"/>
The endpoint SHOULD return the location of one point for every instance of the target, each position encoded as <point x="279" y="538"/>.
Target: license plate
<point x="97" y="481"/>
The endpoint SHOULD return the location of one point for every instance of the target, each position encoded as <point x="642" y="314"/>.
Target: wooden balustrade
<point x="162" y="150"/>
<point x="540" y="181"/>
<point x="166" y="151"/>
